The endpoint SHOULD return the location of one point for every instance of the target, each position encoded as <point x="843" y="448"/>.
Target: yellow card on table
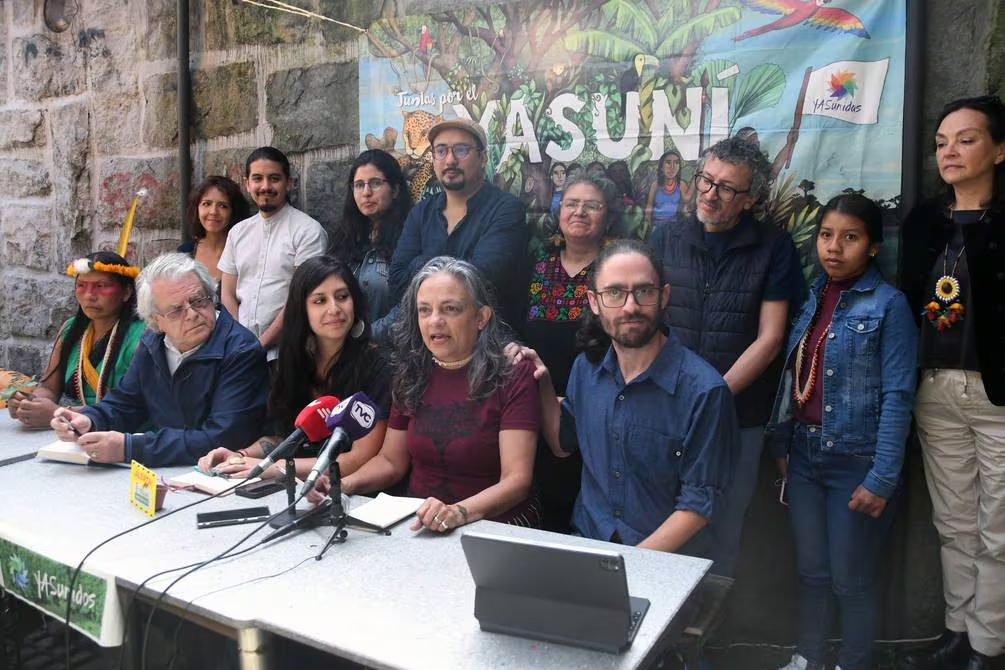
<point x="143" y="488"/>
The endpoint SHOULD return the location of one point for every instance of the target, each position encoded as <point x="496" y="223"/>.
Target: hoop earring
<point x="357" y="329"/>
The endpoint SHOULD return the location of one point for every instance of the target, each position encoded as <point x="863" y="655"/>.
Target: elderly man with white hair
<point x="198" y="379"/>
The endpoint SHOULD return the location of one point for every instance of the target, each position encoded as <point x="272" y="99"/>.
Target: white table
<point x="399" y="601"/>
<point x="18" y="443"/>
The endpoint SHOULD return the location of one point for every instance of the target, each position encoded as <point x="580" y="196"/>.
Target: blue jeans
<point x="727" y="528"/>
<point x="836" y="549"/>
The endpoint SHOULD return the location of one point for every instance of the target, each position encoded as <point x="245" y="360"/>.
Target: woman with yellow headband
<point x="94" y="347"/>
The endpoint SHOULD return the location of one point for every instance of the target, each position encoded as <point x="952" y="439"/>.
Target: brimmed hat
<point x="460" y="124"/>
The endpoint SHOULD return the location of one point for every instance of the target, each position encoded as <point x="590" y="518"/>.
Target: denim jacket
<point x="372" y="272"/>
<point x="869" y="377"/>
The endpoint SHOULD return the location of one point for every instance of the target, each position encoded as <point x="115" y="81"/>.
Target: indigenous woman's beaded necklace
<point x="801" y="392"/>
<point x="86" y="371"/>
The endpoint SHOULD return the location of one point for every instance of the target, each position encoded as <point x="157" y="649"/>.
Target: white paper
<point x="385" y="511"/>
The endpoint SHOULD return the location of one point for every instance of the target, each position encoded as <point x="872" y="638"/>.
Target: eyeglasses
<point x="374" y="184"/>
<point x="98" y="288"/>
<point x="725" y="193"/>
<point x="460" y="150"/>
<point x="591" y="206"/>
<point x="617" y="297"/>
<point x="195" y="304"/>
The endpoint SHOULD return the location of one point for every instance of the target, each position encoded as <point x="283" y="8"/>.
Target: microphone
<point x="311" y="426"/>
<point x="351" y="419"/>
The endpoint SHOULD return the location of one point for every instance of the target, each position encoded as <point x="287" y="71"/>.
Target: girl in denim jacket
<point x="838" y="428"/>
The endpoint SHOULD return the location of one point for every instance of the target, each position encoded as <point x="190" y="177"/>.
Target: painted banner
<point x="637" y="89"/>
<point x="45" y="583"/>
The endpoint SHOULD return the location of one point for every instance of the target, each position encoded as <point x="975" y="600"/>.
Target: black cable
<point x="135" y="596"/>
<point x="184" y="612"/>
<point x="80" y="565"/>
<point x="223" y="554"/>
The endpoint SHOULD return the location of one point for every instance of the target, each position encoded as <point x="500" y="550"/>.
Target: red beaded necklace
<point x="801" y="392"/>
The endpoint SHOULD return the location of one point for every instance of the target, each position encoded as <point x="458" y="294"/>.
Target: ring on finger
<point x="235" y="460"/>
<point x="443" y="525"/>
<point x="436" y="519"/>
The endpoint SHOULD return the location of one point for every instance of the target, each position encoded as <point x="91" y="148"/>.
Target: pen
<point x="72" y="427"/>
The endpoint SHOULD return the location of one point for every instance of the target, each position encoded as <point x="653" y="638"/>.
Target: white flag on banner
<point x="848" y="90"/>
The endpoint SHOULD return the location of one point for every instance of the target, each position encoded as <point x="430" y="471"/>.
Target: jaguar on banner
<point x="621" y="87"/>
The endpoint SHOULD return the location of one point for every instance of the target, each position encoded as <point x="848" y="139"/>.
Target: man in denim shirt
<point x="655" y="423"/>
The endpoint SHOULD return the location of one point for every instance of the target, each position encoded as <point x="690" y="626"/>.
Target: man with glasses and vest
<point x="197" y="381"/>
<point x="735" y="280"/>
<point x="471" y="220"/>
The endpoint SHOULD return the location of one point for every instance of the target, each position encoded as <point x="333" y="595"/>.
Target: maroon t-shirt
<point x="453" y="441"/>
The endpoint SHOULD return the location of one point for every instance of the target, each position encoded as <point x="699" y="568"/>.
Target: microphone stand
<point x="336" y="511"/>
<point x="292" y="514"/>
<point x="329" y="513"/>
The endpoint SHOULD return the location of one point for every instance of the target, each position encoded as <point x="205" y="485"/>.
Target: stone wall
<point x="88" y="116"/>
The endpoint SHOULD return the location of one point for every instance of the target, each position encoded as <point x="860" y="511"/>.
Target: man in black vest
<point x="733" y="281"/>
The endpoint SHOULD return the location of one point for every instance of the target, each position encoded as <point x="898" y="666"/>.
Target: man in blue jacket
<point x="198" y="379"/>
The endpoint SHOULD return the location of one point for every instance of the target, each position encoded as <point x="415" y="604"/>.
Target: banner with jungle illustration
<point x="637" y="89"/>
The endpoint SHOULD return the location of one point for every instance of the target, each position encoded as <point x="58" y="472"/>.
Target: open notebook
<point x="69" y="452"/>
<point x="211" y="484"/>
<point x="385" y="511"/>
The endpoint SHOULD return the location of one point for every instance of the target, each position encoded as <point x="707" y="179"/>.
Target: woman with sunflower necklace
<point x="953" y="272"/>
<point x="838" y="429"/>
<point x="94" y="347"/>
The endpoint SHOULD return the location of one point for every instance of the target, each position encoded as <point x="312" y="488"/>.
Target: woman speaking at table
<point x="463" y="419"/>
<point x="94" y="347"/>
<point x="325" y="349"/>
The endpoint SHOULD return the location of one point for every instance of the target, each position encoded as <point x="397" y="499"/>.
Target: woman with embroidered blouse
<point x="838" y="428"/>
<point x="464" y="421"/>
<point x="94" y="347"/>
<point x="560" y="277"/>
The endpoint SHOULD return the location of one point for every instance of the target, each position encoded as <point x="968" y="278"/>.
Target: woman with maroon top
<point x="463" y="419"/>
<point x="838" y="428"/>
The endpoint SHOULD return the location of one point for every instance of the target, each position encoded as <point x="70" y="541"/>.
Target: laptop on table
<point x="552" y="592"/>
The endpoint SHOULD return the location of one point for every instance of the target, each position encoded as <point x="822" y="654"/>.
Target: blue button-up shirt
<point x="492" y="236"/>
<point x="660" y="443"/>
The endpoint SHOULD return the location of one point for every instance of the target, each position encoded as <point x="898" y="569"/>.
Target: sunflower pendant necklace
<point x="946" y="308"/>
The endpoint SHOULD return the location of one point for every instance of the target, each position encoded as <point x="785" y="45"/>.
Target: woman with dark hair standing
<point x="377" y="201"/>
<point x="464" y="422"/>
<point x="214" y="207"/>
<point x="952" y="257"/>
<point x="838" y="429"/>
<point x="325" y="349"/>
<point x="94" y="347"/>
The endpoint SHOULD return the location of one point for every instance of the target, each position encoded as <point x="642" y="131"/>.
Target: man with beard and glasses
<point x="654" y="423"/>
<point x="471" y="220"/>
<point x="262" y="252"/>
<point x="735" y="278"/>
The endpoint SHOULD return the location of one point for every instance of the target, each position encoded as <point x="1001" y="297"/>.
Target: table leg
<point x="253" y="645"/>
